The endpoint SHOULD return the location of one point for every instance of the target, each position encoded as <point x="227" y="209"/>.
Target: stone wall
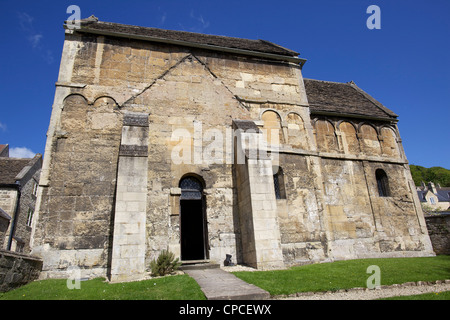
<point x="439" y="231"/>
<point x="8" y="199"/>
<point x="27" y="204"/>
<point x="189" y="90"/>
<point x="17" y="269"/>
<point x="192" y="97"/>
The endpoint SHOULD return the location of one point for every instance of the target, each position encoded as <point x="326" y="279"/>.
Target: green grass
<point x="180" y="287"/>
<point x="426" y="296"/>
<point x="348" y="274"/>
<point x="316" y="277"/>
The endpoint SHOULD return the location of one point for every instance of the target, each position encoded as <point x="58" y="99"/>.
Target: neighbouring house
<point x="212" y="146"/>
<point x="19" y="179"/>
<point x="4" y="150"/>
<point x="433" y="197"/>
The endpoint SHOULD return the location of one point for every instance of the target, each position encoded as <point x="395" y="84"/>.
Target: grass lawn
<point x="348" y="274"/>
<point x="315" y="277"/>
<point x="426" y="296"/>
<point x="180" y="287"/>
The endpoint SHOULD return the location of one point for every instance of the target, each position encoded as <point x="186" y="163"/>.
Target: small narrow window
<point x="35" y="188"/>
<point x="20" y="244"/>
<point x="30" y="217"/>
<point x="382" y="183"/>
<point x="432" y="200"/>
<point x="278" y="182"/>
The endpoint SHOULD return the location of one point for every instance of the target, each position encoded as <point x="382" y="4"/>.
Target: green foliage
<point x="435" y="174"/>
<point x="165" y="264"/>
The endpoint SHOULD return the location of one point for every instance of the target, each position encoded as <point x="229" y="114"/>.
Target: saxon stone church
<point x="211" y="146"/>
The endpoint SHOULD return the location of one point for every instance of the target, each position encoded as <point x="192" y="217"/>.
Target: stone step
<point x="198" y="265"/>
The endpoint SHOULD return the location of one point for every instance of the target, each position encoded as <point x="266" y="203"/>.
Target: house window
<point x="382" y="183"/>
<point x="35" y="188"/>
<point x="432" y="200"/>
<point x="278" y="182"/>
<point x="30" y="217"/>
<point x="20" y="244"/>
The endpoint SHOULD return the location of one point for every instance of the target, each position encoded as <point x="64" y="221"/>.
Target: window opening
<point x="382" y="183"/>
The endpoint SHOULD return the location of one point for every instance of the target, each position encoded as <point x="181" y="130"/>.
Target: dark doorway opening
<point x="192" y="231"/>
<point x="193" y="227"/>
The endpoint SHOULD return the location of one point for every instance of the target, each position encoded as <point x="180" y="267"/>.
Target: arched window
<point x="382" y="183"/>
<point x="191" y="189"/>
<point x="278" y="182"/>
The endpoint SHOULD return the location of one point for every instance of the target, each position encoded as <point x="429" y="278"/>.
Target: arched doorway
<point x="193" y="227"/>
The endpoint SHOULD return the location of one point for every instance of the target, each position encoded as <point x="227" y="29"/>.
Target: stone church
<point x="211" y="146"/>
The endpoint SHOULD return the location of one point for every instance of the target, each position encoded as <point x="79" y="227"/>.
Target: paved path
<point x="218" y="284"/>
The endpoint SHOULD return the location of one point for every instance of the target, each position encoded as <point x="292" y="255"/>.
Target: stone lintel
<point x="135" y="119"/>
<point x="133" y="151"/>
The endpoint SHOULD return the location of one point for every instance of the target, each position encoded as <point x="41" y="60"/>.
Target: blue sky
<point x="405" y="64"/>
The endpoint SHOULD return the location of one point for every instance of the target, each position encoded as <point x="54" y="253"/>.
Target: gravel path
<point x="406" y="289"/>
<point x="366" y="294"/>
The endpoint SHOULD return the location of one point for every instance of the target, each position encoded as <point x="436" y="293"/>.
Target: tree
<point x="435" y="174"/>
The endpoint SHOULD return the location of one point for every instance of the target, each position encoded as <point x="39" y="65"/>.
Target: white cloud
<point x="163" y="18"/>
<point x="21" y="152"/>
<point x="202" y="24"/>
<point x="25" y="21"/>
<point x="2" y="127"/>
<point x="48" y="56"/>
<point x="34" y="37"/>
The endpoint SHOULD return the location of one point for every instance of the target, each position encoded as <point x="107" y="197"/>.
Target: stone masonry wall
<point x="8" y="198"/>
<point x="17" y="269"/>
<point x="27" y="202"/>
<point x="75" y="209"/>
<point x="192" y="97"/>
<point x="194" y="91"/>
<point x="439" y="231"/>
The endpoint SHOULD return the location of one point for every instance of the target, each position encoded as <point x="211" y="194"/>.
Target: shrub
<point x="165" y="264"/>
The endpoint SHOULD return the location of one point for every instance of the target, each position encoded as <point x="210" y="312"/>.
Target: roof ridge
<point x="181" y="31"/>
<point x="14" y="158"/>
<point x="181" y="37"/>
<point x="325" y="81"/>
<point x="359" y="104"/>
<point x="278" y="46"/>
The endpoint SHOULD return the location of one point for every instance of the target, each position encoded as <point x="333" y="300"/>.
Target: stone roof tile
<point x="344" y="98"/>
<point x="92" y="24"/>
<point x="10" y="168"/>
